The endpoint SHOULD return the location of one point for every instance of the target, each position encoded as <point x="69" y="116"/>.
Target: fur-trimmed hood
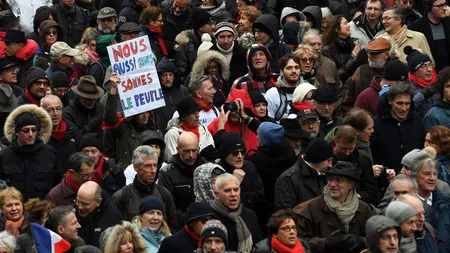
<point x="186" y="36"/>
<point x="45" y="128"/>
<point x="205" y="58"/>
<point x="82" y="58"/>
<point x="116" y="236"/>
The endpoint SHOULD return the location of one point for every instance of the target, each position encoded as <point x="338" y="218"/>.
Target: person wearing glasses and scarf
<point x="151" y="21"/>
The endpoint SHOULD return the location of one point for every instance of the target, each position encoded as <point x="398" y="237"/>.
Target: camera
<point x="230" y="106"/>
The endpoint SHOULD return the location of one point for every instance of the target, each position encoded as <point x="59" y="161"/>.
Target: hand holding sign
<point x="114" y="80"/>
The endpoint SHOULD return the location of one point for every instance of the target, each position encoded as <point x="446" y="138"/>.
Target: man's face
<point x="146" y="172"/>
<point x="93" y="153"/>
<point x="86" y="173"/>
<point x="259" y="60"/>
<point x="54" y="108"/>
<point x="409" y="226"/>
<point x="87" y="103"/>
<point x="236" y="158"/>
<point x="342" y="149"/>
<point x="60" y="91"/>
<point x="9" y="75"/>
<point x="107" y="25"/>
<point x="225" y="40"/>
<point x="69" y="231"/>
<point x="27" y="135"/>
<point x="67" y="4"/>
<point x="315" y="41"/>
<point x="388" y="241"/>
<point x="373" y="10"/>
<point x="198" y="224"/>
<point x="325" y="109"/>
<point x="65" y="61"/>
<point x="400" y="106"/>
<point x="188" y="152"/>
<point x="406" y="4"/>
<point x="307" y="62"/>
<point x="446" y="92"/>
<point x="427" y="178"/>
<point x="364" y="135"/>
<point x="340" y="187"/>
<point x="11" y="48"/>
<point x="417" y="204"/>
<point x="192" y="119"/>
<point x="229" y="194"/>
<point x="129" y="36"/>
<point x="438" y="9"/>
<point x="260" y="36"/>
<point x="377" y="60"/>
<point x="213" y="244"/>
<point x="311" y="126"/>
<point x="291" y="72"/>
<point x="401" y="187"/>
<point x="166" y="79"/>
<point x="425" y="71"/>
<point x="39" y="88"/>
<point x="296" y="144"/>
<point x="390" y="21"/>
<point x="86" y="203"/>
<point x="206" y="93"/>
<point x="180" y="7"/>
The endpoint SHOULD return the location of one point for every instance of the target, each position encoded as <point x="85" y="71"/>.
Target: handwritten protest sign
<point x="139" y="89"/>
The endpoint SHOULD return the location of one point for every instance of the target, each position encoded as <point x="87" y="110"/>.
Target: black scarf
<point x="366" y="27"/>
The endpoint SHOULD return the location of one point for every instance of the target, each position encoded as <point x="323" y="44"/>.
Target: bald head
<point x="188" y="148"/>
<point x="89" y="197"/>
<point x="417" y="204"/>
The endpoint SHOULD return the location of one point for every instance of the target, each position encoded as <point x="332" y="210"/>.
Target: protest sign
<point x="139" y="89"/>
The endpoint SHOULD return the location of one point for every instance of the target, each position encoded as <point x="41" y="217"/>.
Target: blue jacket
<point x="444" y="160"/>
<point x="441" y="208"/>
<point x="431" y="242"/>
<point x="439" y="114"/>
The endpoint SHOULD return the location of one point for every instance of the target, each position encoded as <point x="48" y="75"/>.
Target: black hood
<point x="166" y="65"/>
<point x="314" y="12"/>
<point x="269" y="23"/>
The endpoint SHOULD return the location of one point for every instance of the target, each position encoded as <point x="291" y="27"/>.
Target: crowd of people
<point x="288" y="127"/>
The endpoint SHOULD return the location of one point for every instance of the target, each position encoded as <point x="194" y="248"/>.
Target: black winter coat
<point x="152" y="37"/>
<point x="72" y="23"/>
<point x="174" y="25"/>
<point x="340" y="52"/>
<point x="181" y="241"/>
<point x="238" y="64"/>
<point x="87" y="121"/>
<point x="265" y="246"/>
<point x="326" y="126"/>
<point x="179" y="180"/>
<point x="31" y="169"/>
<point x="186" y="54"/>
<point x="67" y="146"/>
<point x="129" y="13"/>
<point x="103" y="217"/>
<point x="393" y="139"/>
<point x="344" y="8"/>
<point x="298" y="184"/>
<point x="113" y="177"/>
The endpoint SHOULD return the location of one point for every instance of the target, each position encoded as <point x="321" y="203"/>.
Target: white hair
<point x="143" y="150"/>
<point x="7" y="241"/>
<point x="48" y="97"/>
<point x="221" y="179"/>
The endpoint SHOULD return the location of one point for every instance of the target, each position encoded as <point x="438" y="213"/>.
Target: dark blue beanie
<point x="150" y="203"/>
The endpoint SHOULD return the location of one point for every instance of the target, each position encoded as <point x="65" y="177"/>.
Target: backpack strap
<point x="431" y="230"/>
<point x="125" y="201"/>
<point x="283" y="105"/>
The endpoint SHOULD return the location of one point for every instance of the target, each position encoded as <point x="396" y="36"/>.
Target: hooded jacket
<point x="270" y="24"/>
<point x="203" y="176"/>
<point x="24" y="60"/>
<point x="315" y="13"/>
<point x="221" y="81"/>
<point x="287" y="11"/>
<point x="439" y="114"/>
<point x="375" y="227"/>
<point x="251" y="81"/>
<point x="31" y="169"/>
<point x="186" y="54"/>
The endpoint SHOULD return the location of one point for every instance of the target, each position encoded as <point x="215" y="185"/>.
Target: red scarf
<point x="30" y="98"/>
<point x="205" y="108"/>
<point x="98" y="177"/>
<point x="421" y="82"/>
<point x="281" y="248"/>
<point x="193" y="235"/>
<point x="59" y="133"/>
<point x="71" y="183"/>
<point x="158" y="33"/>
<point x="13" y="226"/>
<point x="301" y="106"/>
<point x="188" y="128"/>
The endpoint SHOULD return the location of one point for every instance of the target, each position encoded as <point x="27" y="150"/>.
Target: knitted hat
<point x="200" y="18"/>
<point x="325" y="94"/>
<point x="399" y="211"/>
<point x="198" y="210"/>
<point x="395" y="70"/>
<point x="90" y="140"/>
<point x="214" y="228"/>
<point x="229" y="142"/>
<point x="24" y="119"/>
<point x="60" y="79"/>
<point x="412" y="155"/>
<point x="150" y="203"/>
<point x="186" y="106"/>
<point x="257" y="97"/>
<point x="206" y="44"/>
<point x="35" y="73"/>
<point x="415" y="58"/>
<point x="318" y="150"/>
<point x="270" y="134"/>
<point x="225" y="26"/>
<point x="301" y="91"/>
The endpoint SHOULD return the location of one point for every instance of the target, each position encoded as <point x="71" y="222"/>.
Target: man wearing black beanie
<point x="305" y="179"/>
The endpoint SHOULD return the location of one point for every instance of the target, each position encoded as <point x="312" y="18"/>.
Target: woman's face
<point x="92" y="45"/>
<point x="287" y="233"/>
<point x="213" y="68"/>
<point x="430" y="143"/>
<point x="152" y="219"/>
<point x="308" y="99"/>
<point x="126" y="247"/>
<point x="261" y="109"/>
<point x="158" y="23"/>
<point x="244" y="24"/>
<point x="142" y="118"/>
<point x="51" y="35"/>
<point x="13" y="209"/>
<point x="307" y="62"/>
<point x="344" y="29"/>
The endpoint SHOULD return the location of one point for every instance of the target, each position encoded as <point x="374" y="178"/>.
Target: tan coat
<point x="414" y="39"/>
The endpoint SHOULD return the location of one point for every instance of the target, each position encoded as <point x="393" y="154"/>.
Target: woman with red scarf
<point x="421" y="75"/>
<point x="283" y="237"/>
<point x="302" y="98"/>
<point x="12" y="218"/>
<point x="151" y="24"/>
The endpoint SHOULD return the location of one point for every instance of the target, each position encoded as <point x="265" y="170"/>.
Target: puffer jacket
<point x="186" y="54"/>
<point x="340" y="51"/>
<point x="277" y="48"/>
<point x="375" y="227"/>
<point x="423" y="109"/>
<point x="201" y="65"/>
<point x="24" y="60"/>
<point x="439" y="114"/>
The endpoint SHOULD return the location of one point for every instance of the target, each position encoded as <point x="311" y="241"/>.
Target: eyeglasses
<point x="79" y="203"/>
<point x="86" y="176"/>
<point x="288" y="228"/>
<point x="27" y="130"/>
<point x="306" y="60"/>
<point x="41" y="83"/>
<point x="426" y="66"/>
<point x="159" y="20"/>
<point x="440" y="6"/>
<point x="51" y="32"/>
<point x="54" y="110"/>
<point x="237" y="152"/>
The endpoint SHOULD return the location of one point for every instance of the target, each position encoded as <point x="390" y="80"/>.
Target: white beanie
<point x="206" y="44"/>
<point x="301" y="91"/>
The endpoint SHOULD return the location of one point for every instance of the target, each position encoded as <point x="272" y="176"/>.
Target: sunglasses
<point x="237" y="152"/>
<point x="27" y="130"/>
<point x="51" y="32"/>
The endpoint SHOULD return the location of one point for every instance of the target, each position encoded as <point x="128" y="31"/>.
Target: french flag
<point x="47" y="241"/>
